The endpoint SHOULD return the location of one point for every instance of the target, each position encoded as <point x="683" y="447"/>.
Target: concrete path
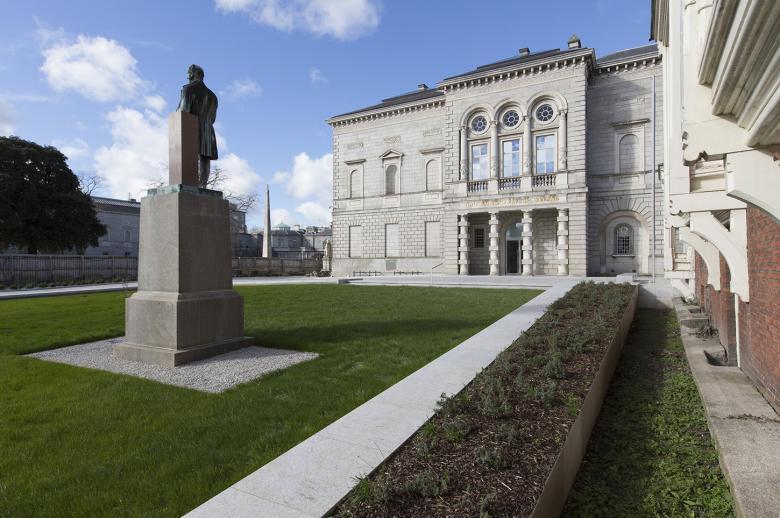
<point x="312" y="477"/>
<point x="745" y="428"/>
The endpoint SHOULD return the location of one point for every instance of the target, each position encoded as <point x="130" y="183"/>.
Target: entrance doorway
<point x="513" y="236"/>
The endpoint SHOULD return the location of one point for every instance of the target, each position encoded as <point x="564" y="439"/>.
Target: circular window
<point x="545" y="113"/>
<point x="511" y="119"/>
<point x="479" y="124"/>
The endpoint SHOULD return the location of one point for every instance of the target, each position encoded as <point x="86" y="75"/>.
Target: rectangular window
<point x="479" y="238"/>
<point x="545" y="154"/>
<point x="480" y="167"/>
<point x="432" y="239"/>
<point x="391" y="240"/>
<point x="356" y="241"/>
<point x="511" y="156"/>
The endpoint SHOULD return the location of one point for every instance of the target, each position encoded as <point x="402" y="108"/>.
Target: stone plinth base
<point x="185" y="308"/>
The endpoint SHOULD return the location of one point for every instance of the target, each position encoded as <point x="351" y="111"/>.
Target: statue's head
<point x="195" y="73"/>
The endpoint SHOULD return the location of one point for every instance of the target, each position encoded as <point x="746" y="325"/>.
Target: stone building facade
<point x="541" y="164"/>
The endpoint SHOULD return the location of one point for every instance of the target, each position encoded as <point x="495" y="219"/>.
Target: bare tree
<point x="89" y="182"/>
<point x="242" y="201"/>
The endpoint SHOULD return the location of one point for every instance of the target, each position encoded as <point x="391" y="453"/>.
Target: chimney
<point x="422" y="86"/>
<point x="524" y="52"/>
<point x="574" y="42"/>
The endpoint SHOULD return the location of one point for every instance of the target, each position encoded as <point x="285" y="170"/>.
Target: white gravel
<point x="216" y="374"/>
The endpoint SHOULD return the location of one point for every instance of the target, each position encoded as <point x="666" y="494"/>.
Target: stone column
<point x="493" y="243"/>
<point x="464" y="153"/>
<point x="528" y="248"/>
<point x="494" y="150"/>
<point x="463" y="246"/>
<point x="562" y="148"/>
<point x="563" y="241"/>
<point x="528" y="152"/>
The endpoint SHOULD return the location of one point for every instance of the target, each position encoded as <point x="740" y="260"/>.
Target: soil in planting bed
<point x="489" y="449"/>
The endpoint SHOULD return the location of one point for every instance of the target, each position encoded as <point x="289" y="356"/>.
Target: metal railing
<point x="23" y="269"/>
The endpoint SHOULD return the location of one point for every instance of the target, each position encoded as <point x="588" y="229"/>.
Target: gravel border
<point x="213" y="375"/>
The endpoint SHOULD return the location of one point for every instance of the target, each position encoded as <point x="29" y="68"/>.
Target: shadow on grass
<point x="651" y="453"/>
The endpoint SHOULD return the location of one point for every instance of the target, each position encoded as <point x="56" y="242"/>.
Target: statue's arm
<point x="183" y="104"/>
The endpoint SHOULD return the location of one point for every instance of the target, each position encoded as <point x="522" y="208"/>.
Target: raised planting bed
<point x="510" y="443"/>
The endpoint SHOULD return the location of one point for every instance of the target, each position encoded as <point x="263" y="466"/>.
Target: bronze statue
<point x="197" y="99"/>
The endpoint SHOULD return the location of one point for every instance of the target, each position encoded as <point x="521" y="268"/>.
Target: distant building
<point x="122" y="221"/>
<point x="292" y="242"/>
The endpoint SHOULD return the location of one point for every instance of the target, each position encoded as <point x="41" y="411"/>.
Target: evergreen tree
<point x="41" y="205"/>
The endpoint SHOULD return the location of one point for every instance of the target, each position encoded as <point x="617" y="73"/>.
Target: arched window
<point x="624" y="239"/>
<point x="391" y="174"/>
<point x="355" y="184"/>
<point x="432" y="175"/>
<point x="629" y="153"/>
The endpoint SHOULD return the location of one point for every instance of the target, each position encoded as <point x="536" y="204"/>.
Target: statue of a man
<point x="197" y="99"/>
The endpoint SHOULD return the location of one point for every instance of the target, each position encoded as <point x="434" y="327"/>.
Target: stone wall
<point x="545" y="253"/>
<point x="620" y="104"/>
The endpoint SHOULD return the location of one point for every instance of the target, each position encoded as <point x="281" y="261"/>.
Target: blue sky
<point x="98" y="78"/>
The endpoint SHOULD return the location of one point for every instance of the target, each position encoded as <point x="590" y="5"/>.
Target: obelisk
<point x="267" y="232"/>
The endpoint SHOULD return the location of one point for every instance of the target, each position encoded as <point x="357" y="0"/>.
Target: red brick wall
<point x="760" y="318"/>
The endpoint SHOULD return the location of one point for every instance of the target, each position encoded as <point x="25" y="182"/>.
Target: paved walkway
<point x="743" y="425"/>
<point x="312" y="477"/>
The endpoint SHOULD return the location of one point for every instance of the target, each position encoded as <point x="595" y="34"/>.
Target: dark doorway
<point x="512" y="256"/>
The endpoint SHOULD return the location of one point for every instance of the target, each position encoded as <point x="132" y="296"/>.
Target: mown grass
<point x="651" y="453"/>
<point x="79" y="442"/>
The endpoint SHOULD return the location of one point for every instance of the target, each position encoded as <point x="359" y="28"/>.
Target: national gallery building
<point x="546" y="163"/>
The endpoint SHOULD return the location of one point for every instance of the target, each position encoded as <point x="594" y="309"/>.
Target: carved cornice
<point x="382" y="113"/>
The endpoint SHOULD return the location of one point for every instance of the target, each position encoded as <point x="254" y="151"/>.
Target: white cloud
<point x="6" y="119"/>
<point x="311" y="183"/>
<point x="311" y="177"/>
<point x="242" y="88"/>
<point x="155" y="102"/>
<point x="316" y="76"/>
<point x="280" y="177"/>
<point x="74" y="149"/>
<point x="279" y="216"/>
<point x="315" y="213"/>
<point x="138" y="153"/>
<point x="241" y="178"/>
<point x="341" y="19"/>
<point x="98" y="68"/>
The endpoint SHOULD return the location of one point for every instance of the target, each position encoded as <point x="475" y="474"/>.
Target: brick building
<point x="722" y="141"/>
<point x="540" y="164"/>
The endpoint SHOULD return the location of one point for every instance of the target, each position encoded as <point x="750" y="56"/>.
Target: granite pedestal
<point x="185" y="308"/>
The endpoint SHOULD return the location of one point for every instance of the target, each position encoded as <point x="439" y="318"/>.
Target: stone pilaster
<point x="463" y="246"/>
<point x="464" y="153"/>
<point x="528" y="146"/>
<point x="493" y="243"/>
<point x="562" y="147"/>
<point x="495" y="152"/>
<point x="528" y="247"/>
<point x="563" y="241"/>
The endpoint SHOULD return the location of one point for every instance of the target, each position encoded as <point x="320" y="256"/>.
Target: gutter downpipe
<point x="654" y="174"/>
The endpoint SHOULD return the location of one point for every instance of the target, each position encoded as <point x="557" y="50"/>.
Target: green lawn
<point x="78" y="442"/>
<point x="651" y="453"/>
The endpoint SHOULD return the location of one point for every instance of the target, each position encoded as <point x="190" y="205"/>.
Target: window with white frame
<point x="511" y="119"/>
<point x="479" y="124"/>
<point x="545" y="154"/>
<point x="391" y="179"/>
<point x="624" y="239"/>
<point x="512" y="156"/>
<point x="391" y="240"/>
<point x="480" y="166"/>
